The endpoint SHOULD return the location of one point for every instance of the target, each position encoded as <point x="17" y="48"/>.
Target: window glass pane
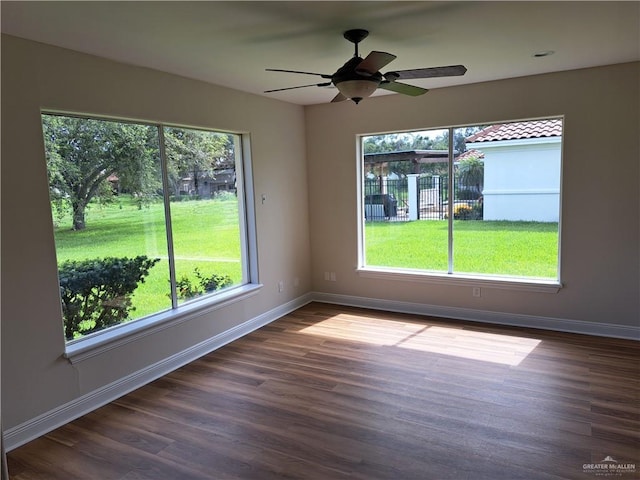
<point x="205" y="213"/>
<point x="405" y="180"/>
<point x="120" y="257"/>
<point x="504" y="210"/>
<point x="507" y="206"/>
<point x="106" y="198"/>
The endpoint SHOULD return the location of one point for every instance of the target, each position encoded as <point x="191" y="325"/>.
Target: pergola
<point x="417" y="157"/>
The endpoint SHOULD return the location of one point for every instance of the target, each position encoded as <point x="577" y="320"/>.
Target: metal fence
<point x="388" y="199"/>
<point x="433" y="194"/>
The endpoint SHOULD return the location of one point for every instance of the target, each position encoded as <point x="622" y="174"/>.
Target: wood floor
<point x="334" y="393"/>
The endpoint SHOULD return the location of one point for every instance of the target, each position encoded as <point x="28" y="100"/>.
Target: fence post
<point x="437" y="187"/>
<point x="414" y="204"/>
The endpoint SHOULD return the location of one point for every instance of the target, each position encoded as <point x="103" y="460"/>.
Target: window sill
<point x="100" y="342"/>
<point x="487" y="281"/>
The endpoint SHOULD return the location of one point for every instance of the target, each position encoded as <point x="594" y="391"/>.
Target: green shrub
<point x="225" y="195"/>
<point x="187" y="289"/>
<point x="462" y="212"/>
<point x="96" y="293"/>
<point x="477" y="211"/>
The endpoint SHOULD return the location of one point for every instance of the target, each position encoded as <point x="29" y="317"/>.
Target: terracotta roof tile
<point x="473" y="153"/>
<point x="519" y="130"/>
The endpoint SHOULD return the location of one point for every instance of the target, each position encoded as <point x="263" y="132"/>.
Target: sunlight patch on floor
<point x="458" y="342"/>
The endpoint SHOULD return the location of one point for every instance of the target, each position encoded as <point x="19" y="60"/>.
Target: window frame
<point x="450" y="278"/>
<point x="96" y="343"/>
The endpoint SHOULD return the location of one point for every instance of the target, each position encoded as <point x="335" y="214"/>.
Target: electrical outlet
<point x="332" y="276"/>
<point x="477" y="292"/>
<point x="280" y="286"/>
<point x="327" y="276"/>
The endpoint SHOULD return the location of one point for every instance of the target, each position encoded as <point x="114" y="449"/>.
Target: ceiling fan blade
<point x="323" y="75"/>
<point x="326" y="84"/>
<point x="403" y="88"/>
<point x="374" y="62"/>
<point x="339" y="98"/>
<point x="449" y="71"/>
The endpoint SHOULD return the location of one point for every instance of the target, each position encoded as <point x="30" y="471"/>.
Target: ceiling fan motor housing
<point x="347" y="78"/>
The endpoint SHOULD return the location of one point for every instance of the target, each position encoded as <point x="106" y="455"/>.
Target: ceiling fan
<point x="358" y="78"/>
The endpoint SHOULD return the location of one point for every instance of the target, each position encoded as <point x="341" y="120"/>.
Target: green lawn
<point x="207" y="236"/>
<point x="205" y="232"/>
<point x="528" y="249"/>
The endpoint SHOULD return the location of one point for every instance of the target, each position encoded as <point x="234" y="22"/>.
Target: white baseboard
<point x="42" y="424"/>
<point x="483" y="316"/>
<point x="38" y="426"/>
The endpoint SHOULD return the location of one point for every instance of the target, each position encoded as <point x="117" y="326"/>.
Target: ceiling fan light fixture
<point x="356" y="90"/>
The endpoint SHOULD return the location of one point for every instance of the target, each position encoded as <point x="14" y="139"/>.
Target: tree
<point x="396" y="142"/>
<point x="195" y="154"/>
<point x="83" y="153"/>
<point x="471" y="173"/>
<point x="459" y="139"/>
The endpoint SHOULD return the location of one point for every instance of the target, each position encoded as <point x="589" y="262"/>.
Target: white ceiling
<point x="232" y="43"/>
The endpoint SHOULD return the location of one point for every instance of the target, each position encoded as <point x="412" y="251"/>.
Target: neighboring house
<point x="223" y="180"/>
<point x="522" y="163"/>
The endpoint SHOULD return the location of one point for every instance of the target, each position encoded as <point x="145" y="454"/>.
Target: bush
<point x="225" y="195"/>
<point x="187" y="289"/>
<point x="96" y="294"/>
<point x="477" y="211"/>
<point x="463" y="211"/>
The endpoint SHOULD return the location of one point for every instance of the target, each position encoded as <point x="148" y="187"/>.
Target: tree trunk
<point x="196" y="185"/>
<point x="78" y="215"/>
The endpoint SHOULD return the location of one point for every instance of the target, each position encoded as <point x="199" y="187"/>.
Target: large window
<point x="146" y="218"/>
<point x="478" y="201"/>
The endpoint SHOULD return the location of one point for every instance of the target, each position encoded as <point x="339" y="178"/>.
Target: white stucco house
<point x="522" y="165"/>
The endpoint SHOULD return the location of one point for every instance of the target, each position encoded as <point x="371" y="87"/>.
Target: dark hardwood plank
<point x="330" y="392"/>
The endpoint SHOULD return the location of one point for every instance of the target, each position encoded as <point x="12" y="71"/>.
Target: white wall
<point x="600" y="200"/>
<point x="36" y="379"/>
<point x="521" y="179"/>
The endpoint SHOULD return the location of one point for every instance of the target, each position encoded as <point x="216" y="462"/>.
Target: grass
<point x="207" y="236"/>
<point x="526" y="249"/>
<point x="205" y="232"/>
